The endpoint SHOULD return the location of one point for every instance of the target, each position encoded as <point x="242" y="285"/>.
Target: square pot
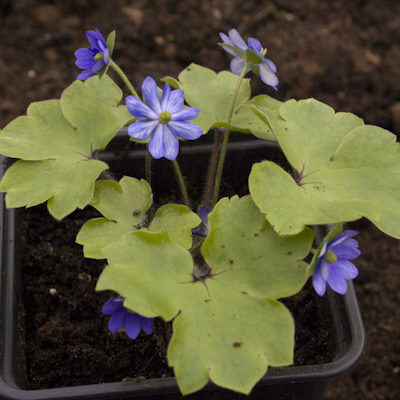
<point x="306" y="382"/>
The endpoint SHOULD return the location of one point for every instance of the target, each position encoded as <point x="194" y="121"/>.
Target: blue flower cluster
<point x="93" y="59"/>
<point x="165" y="121"/>
<point x="121" y="317"/>
<point x="266" y="69"/>
<point x="334" y="266"/>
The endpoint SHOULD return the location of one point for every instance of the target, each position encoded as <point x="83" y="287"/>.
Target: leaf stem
<point x="218" y="176"/>
<point x="181" y="182"/>
<point x="119" y="71"/>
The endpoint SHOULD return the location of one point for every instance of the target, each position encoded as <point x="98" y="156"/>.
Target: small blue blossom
<point x="266" y="70"/>
<point x="121" y="317"/>
<point x="165" y="120"/>
<point x="203" y="214"/>
<point x="93" y="59"/>
<point x="333" y="266"/>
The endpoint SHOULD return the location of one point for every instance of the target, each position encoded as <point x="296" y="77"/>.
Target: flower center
<point x="165" y="117"/>
<point x="98" y="56"/>
<point x="330" y="257"/>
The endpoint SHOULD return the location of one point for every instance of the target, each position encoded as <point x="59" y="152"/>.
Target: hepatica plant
<point x="216" y="267"/>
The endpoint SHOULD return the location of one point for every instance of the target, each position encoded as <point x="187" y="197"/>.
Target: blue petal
<point x="93" y="38"/>
<point x="185" y="130"/>
<point x="318" y="282"/>
<point x="140" y="110"/>
<point x="343" y="236"/>
<point x="237" y="65"/>
<point x="106" y="55"/>
<point x="171" y="143"/>
<point x="165" y="96"/>
<point x="336" y="281"/>
<point x="150" y="94"/>
<point x="142" y="130"/>
<point x="323" y="250"/>
<point x="175" y="101"/>
<point x="117" y="320"/>
<point x="267" y="76"/>
<point x="132" y="325"/>
<point x="156" y="145"/>
<point x="203" y="214"/>
<point x="85" y="75"/>
<point x="185" y="114"/>
<point x="203" y="232"/>
<point x="254" y="44"/>
<point x="346" y="252"/>
<point x="147" y="325"/>
<point x="97" y="67"/>
<point x="83" y="53"/>
<point x="346" y="268"/>
<point x="237" y="40"/>
<point x="271" y="65"/>
<point x="85" y="63"/>
<point x="226" y="40"/>
<point x="325" y="271"/>
<point x="112" y="305"/>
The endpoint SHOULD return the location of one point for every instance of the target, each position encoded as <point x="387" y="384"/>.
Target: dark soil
<point x="343" y="52"/>
<point x="68" y="340"/>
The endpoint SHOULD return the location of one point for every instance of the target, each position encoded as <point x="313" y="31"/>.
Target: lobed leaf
<point x="124" y="206"/>
<point x="212" y="94"/>
<point x="57" y="142"/>
<point x="228" y="327"/>
<point x="344" y="170"/>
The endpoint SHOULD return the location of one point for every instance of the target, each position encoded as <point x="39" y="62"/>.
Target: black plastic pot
<point x="300" y="382"/>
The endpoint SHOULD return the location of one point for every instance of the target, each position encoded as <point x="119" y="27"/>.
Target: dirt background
<point x="342" y="52"/>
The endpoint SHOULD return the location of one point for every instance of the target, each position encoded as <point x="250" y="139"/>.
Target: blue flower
<point x="333" y="265"/>
<point x="266" y="69"/>
<point x="165" y="120"/>
<point x="121" y="317"/>
<point x="203" y="214"/>
<point x="93" y="59"/>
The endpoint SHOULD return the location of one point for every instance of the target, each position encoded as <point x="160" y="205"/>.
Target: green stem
<point x="148" y="166"/>
<point x="119" y="71"/>
<point x="226" y="137"/>
<point x="181" y="182"/>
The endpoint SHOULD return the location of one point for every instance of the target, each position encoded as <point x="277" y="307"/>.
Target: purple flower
<point x="93" y="59"/>
<point x="165" y="120"/>
<point x="266" y="69"/>
<point x="203" y="214"/>
<point x="333" y="265"/>
<point x="121" y="317"/>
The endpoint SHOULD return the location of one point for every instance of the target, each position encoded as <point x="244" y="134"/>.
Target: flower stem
<point x="218" y="176"/>
<point x="119" y="71"/>
<point x="212" y="167"/>
<point x="181" y="182"/>
<point x="148" y="166"/>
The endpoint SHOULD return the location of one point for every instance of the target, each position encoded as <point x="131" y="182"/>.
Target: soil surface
<point x="345" y="53"/>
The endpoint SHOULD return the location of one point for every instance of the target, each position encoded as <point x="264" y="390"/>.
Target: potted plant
<point x="225" y="267"/>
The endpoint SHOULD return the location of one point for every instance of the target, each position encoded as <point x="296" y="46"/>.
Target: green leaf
<point x="253" y="57"/>
<point x="228" y="327"/>
<point x="57" y="141"/>
<point x="177" y="221"/>
<point x="124" y="206"/>
<point x="345" y="171"/>
<point x="237" y="51"/>
<point x="212" y="94"/>
<point x="111" y="42"/>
